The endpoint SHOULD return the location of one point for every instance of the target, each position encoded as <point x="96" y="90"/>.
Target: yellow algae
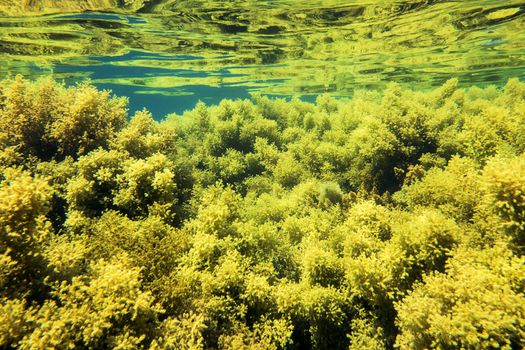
<point x="391" y="218"/>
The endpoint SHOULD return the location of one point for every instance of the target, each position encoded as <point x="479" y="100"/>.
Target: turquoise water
<point x="169" y="55"/>
<point x="160" y="101"/>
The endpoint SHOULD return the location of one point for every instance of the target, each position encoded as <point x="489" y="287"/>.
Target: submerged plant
<point x="379" y="222"/>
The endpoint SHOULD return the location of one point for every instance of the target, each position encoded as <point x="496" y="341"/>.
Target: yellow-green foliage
<point x="24" y="231"/>
<point x="384" y="221"/>
<point x="48" y="121"/>
<point x="477" y="303"/>
<point x="505" y="196"/>
<point x="103" y="308"/>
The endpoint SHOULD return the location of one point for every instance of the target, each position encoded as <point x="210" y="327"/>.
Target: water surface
<point x="170" y="54"/>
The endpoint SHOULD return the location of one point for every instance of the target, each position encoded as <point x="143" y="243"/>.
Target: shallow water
<point x="170" y="54"/>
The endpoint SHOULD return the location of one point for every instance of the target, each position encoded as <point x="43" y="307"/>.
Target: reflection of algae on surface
<point x="504" y="13"/>
<point x="164" y="93"/>
<point x="161" y="82"/>
<point x="38" y="7"/>
<point x="323" y="46"/>
<point x="45" y="39"/>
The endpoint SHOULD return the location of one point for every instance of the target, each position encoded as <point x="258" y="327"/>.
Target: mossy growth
<point x="378" y="222"/>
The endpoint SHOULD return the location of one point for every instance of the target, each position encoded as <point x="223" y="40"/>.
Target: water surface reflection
<point x="168" y="54"/>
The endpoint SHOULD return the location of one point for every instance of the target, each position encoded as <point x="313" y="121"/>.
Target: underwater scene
<point x="262" y="174"/>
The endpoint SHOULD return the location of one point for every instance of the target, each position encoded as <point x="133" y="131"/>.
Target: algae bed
<point x="305" y="175"/>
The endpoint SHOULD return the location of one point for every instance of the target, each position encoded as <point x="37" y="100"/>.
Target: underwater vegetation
<point x="392" y="220"/>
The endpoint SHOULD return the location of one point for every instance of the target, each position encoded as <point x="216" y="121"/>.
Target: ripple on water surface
<point x="166" y="55"/>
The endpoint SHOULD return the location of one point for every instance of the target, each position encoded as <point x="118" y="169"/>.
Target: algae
<point x="389" y="220"/>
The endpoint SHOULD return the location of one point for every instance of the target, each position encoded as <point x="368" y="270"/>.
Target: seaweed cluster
<point x="389" y="220"/>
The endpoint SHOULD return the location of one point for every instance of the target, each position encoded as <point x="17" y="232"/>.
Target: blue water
<point x="103" y="70"/>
